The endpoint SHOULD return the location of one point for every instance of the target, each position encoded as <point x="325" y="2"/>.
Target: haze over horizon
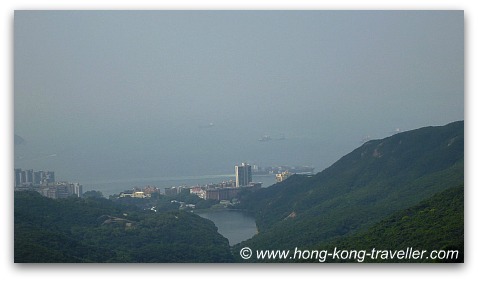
<point x="101" y="95"/>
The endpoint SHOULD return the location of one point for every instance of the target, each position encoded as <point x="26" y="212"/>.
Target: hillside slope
<point x="100" y="230"/>
<point x="436" y="223"/>
<point x="359" y="190"/>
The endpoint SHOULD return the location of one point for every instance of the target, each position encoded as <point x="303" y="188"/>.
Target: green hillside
<point x="100" y="230"/>
<point x="434" y="224"/>
<point x="362" y="188"/>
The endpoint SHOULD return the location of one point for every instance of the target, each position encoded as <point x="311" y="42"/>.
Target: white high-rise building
<point x="243" y="175"/>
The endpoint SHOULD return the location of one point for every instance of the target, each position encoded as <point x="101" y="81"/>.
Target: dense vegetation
<point x="95" y="229"/>
<point x="358" y="191"/>
<point x="436" y="223"/>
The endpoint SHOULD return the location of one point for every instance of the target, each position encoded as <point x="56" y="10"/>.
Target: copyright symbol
<point x="246" y="253"/>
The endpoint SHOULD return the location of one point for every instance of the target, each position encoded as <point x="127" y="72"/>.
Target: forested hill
<point x="100" y="230"/>
<point x="436" y="223"/>
<point x="362" y="188"/>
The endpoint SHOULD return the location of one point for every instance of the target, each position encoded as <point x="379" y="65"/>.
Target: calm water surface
<point x="235" y="225"/>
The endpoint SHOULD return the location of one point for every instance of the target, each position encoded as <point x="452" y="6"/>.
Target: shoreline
<point x="111" y="187"/>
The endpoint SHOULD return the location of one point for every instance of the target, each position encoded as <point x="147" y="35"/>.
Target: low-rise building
<point x="282" y="176"/>
<point x="198" y="191"/>
<point x="222" y="193"/>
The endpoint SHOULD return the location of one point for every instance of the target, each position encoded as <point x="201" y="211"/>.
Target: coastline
<point x="111" y="187"/>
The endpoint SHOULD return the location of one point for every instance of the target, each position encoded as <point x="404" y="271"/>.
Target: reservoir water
<point x="235" y="225"/>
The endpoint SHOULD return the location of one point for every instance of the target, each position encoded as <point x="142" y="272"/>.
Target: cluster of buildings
<point x="226" y="190"/>
<point x="137" y="192"/>
<point x="44" y="183"/>
<point x="218" y="191"/>
<point x="229" y="190"/>
<point x="282" y="176"/>
<point x="25" y="178"/>
<point x="59" y="190"/>
<point x="175" y="190"/>
<point x="274" y="170"/>
<point x="282" y="172"/>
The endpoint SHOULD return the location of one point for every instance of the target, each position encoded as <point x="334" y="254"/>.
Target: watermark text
<point x="336" y="254"/>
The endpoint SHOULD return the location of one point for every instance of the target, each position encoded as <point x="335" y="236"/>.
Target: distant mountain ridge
<point x="362" y="188"/>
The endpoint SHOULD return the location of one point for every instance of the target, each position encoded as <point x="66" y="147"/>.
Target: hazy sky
<point x="105" y="94"/>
